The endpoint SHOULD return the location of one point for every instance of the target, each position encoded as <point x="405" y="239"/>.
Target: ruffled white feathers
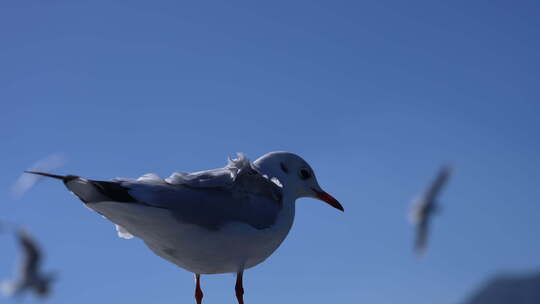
<point x="236" y="165"/>
<point x="123" y="233"/>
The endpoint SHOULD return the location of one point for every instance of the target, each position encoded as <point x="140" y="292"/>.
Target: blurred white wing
<point x="7" y="288"/>
<point x="26" y="181"/>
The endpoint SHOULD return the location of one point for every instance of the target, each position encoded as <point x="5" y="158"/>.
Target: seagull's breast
<point x="234" y="246"/>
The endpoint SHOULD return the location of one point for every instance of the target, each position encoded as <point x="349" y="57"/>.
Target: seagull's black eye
<point x="282" y="165"/>
<point x="304" y="173"/>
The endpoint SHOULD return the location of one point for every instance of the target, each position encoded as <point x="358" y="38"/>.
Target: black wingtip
<point x="64" y="178"/>
<point x="60" y="177"/>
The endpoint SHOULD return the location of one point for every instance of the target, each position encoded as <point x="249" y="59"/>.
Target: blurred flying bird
<point x="224" y="220"/>
<point x="26" y="181"/>
<point x="426" y="206"/>
<point x="29" y="276"/>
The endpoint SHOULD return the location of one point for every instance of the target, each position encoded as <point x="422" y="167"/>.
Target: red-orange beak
<point x="327" y="198"/>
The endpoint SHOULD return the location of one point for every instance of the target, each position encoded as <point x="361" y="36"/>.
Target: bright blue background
<point x="375" y="95"/>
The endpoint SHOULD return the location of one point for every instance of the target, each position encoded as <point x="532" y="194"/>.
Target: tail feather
<point x="90" y="191"/>
<point x="64" y="178"/>
<point x="83" y="188"/>
<point x="60" y="177"/>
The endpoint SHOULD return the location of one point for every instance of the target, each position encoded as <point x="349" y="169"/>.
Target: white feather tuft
<point x="236" y="165"/>
<point x="177" y="178"/>
<point x="123" y="233"/>
<point x="276" y="181"/>
<point x="150" y="177"/>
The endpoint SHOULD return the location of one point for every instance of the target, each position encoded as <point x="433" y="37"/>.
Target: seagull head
<point x="295" y="175"/>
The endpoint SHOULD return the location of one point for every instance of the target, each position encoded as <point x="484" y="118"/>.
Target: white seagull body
<point x="216" y="221"/>
<point x="201" y="249"/>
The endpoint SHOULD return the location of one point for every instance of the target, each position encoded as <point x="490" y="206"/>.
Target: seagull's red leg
<point x="239" y="288"/>
<point x="198" y="290"/>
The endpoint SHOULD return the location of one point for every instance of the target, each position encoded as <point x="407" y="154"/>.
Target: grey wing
<point x="250" y="199"/>
<point x="439" y="182"/>
<point x="209" y="198"/>
<point x="31" y="254"/>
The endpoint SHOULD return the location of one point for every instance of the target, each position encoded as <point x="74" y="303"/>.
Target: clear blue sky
<point x="375" y="95"/>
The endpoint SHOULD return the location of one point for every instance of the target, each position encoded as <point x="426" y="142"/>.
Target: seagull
<point x="29" y="276"/>
<point x="217" y="221"/>
<point x="426" y="206"/>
